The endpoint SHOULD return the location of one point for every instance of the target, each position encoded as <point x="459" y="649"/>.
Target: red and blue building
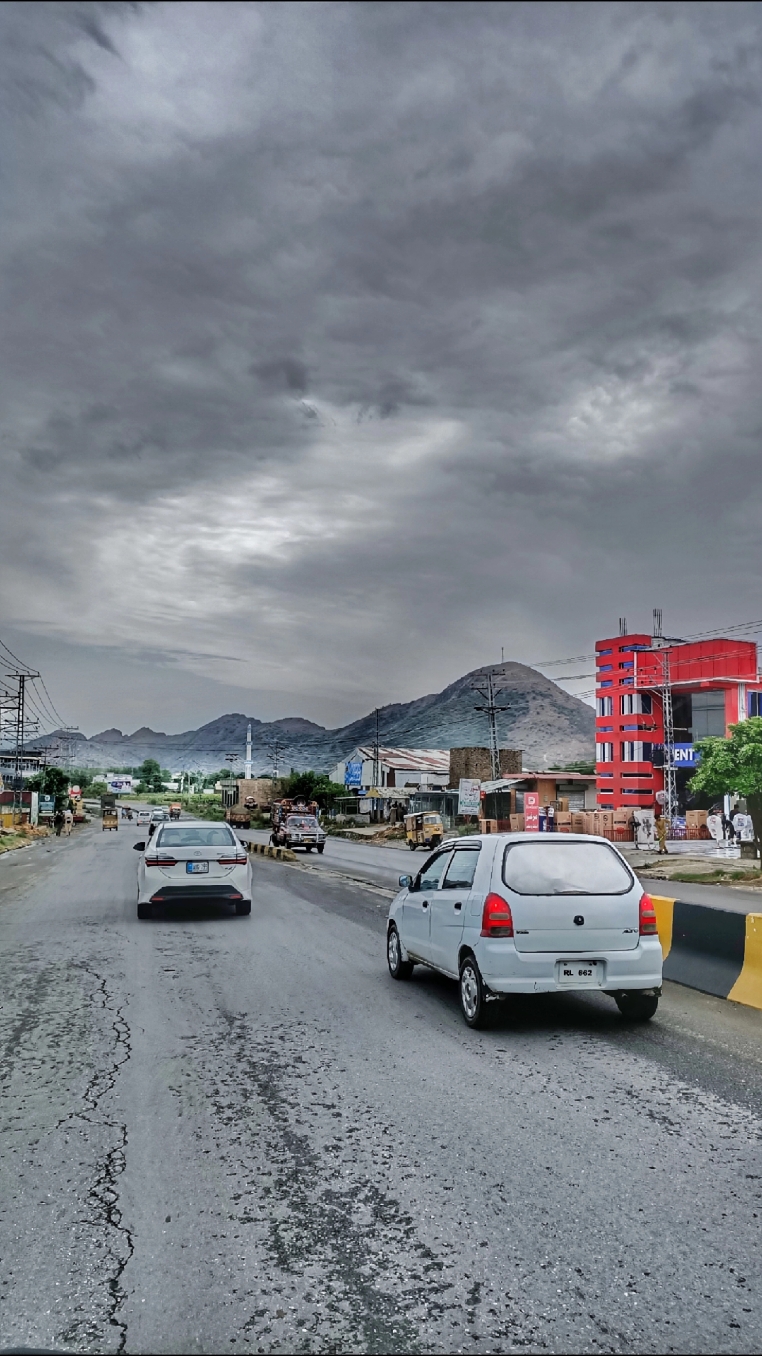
<point x="714" y="684"/>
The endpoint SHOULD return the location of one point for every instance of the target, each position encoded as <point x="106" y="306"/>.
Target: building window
<point x="635" y="704"/>
<point x="605" y="668"/>
<point x="604" y="651"/>
<point x="604" y="706"/>
<point x="707" y="715"/>
<point x="636" y="751"/>
<point x="606" y="682"/>
<point x="626" y="664"/>
<point x="755" y="703"/>
<point x="604" y="753"/>
<point x="605" y="729"/>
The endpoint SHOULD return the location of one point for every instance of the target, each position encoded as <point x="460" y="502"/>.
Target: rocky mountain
<point x="551" y="727"/>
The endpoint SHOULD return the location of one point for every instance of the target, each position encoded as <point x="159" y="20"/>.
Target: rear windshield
<point x="195" y="837"/>
<point x="558" y="868"/>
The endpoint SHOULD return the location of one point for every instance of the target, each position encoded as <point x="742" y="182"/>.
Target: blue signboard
<point x="685" y="755"/>
<point x="353" y="774"/>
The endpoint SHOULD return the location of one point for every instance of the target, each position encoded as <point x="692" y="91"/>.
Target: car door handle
<point x="424" y="903"/>
<point x="457" y="907"/>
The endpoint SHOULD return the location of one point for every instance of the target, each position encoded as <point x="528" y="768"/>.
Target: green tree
<point x="150" y="775"/>
<point x="734" y="765"/>
<point x="311" y="786"/>
<point x="52" y="782"/>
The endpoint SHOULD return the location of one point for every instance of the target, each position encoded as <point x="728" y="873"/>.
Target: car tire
<point x="321" y="847"/>
<point x="473" y="1002"/>
<point x="398" y="968"/>
<point x="411" y="846"/>
<point x="308" y="847"/>
<point x="637" y="1007"/>
<point x="144" y="910"/>
<point x="243" y="908"/>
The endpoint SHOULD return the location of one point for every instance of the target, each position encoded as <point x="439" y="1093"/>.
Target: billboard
<point x="353" y="774"/>
<point x="121" y="785"/>
<point x="532" y="811"/>
<point x="469" y="796"/>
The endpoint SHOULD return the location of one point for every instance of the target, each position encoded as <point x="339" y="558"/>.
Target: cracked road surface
<point x="238" y="1134"/>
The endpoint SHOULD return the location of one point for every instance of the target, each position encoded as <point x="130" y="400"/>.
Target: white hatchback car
<point x="529" y="913"/>
<point x="195" y="860"/>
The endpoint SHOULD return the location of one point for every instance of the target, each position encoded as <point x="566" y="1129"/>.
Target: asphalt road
<point x="239" y="1134"/>
<point x="383" y="866"/>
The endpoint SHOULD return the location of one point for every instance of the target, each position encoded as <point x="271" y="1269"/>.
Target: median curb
<point x="267" y="850"/>
<point x="712" y="950"/>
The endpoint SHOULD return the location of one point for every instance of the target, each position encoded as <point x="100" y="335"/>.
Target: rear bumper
<point x="506" y="970"/>
<point x="175" y="894"/>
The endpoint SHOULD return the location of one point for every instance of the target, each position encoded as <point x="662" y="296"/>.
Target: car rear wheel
<point x="637" y="1007"/>
<point x="308" y="846"/>
<point x="472" y="1000"/>
<point x="243" y="908"/>
<point x="411" y="846"/>
<point x="398" y="968"/>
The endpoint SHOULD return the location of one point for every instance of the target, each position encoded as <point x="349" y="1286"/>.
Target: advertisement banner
<point x="353" y="774"/>
<point x="47" y="806"/>
<point x="469" y="796"/>
<point x="531" y="811"/>
<point x="119" y="785"/>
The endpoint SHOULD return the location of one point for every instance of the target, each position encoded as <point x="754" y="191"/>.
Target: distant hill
<point x="551" y="727"/>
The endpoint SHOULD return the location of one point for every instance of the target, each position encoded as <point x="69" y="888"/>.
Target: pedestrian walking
<point x="661" y="834"/>
<point x="58" y="822"/>
<point x="68" y="822"/>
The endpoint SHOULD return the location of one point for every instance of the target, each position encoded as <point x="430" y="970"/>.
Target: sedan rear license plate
<point x="196" y="868"/>
<point x="580" y="974"/>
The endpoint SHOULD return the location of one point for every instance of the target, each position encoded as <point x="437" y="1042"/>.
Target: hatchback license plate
<point x="580" y="974"/>
<point x="196" y="868"/>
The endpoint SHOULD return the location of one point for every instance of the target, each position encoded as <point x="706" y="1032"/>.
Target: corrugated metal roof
<point x="410" y="760"/>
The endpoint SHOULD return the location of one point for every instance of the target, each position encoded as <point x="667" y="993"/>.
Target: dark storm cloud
<point x="310" y="307"/>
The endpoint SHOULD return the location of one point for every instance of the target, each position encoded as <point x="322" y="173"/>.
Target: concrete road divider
<point x="713" y="950"/>
<point x="267" y="850"/>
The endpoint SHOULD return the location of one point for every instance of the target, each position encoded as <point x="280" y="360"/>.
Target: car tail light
<point x="240" y="859"/>
<point x="648" y="926"/>
<point x="161" y="861"/>
<point x="497" y="920"/>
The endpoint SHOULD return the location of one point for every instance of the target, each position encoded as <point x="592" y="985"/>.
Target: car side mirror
<point x="138" y="847"/>
<point x="406" y="882"/>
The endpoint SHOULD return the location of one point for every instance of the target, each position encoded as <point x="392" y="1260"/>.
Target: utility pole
<point x="275" y="749"/>
<point x="491" y="708"/>
<point x="670" y="778"/>
<point x="18" y="762"/>
<point x="247" y="764"/>
<point x="376" y="759"/>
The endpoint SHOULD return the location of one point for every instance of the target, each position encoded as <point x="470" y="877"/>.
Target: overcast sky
<point x="343" y="344"/>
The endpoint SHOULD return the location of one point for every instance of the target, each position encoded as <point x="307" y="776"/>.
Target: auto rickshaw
<point x="110" y="818"/>
<point x="423" y="830"/>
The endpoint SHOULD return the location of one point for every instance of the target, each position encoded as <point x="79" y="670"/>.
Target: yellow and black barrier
<point x="267" y="850"/>
<point x="712" y="950"/>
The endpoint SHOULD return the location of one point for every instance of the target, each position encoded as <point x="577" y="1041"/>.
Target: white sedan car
<point x="529" y="913"/>
<point x="195" y="861"/>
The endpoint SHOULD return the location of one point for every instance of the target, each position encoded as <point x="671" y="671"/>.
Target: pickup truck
<point x="299" y="831"/>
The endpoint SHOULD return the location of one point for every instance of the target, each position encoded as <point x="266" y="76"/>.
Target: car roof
<point x="201" y="824"/>
<point x="479" y="838"/>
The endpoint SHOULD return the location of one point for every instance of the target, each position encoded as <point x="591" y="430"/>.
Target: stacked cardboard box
<point x="488" y="826"/>
<point x="695" y="824"/>
<point x="578" y="821"/>
<point x="563" y="821"/>
<point x="517" y="823"/>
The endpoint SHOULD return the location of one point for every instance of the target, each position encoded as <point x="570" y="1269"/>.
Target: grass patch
<point x="715" y="877"/>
